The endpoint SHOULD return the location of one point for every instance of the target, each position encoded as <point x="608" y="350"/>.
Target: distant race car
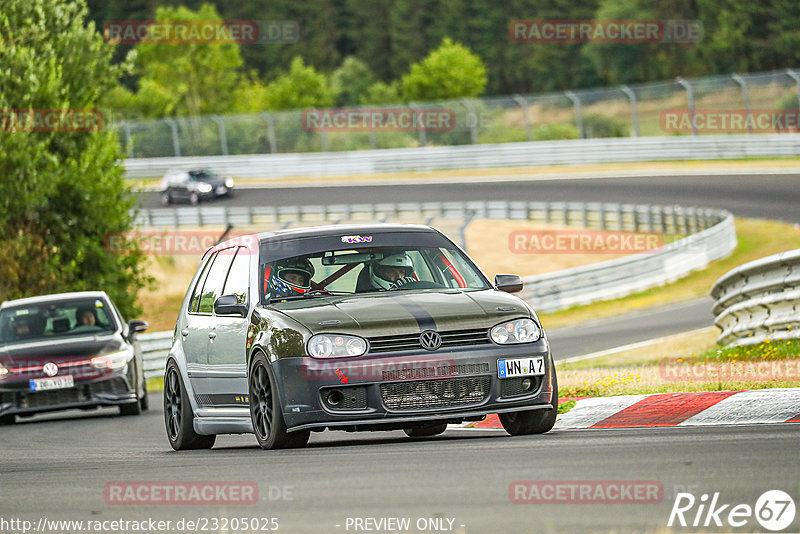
<point x="351" y="327"/>
<point x="194" y="185"/>
<point x="71" y="350"/>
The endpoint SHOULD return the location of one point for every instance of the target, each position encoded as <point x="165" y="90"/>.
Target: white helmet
<point x="376" y="269"/>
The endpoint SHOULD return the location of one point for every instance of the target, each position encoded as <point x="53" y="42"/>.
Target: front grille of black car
<point x="8" y="398"/>
<point x="115" y="386"/>
<point x="350" y="398"/>
<point x="443" y="393"/>
<point x="451" y="338"/>
<point x="513" y="387"/>
<point x="36" y="399"/>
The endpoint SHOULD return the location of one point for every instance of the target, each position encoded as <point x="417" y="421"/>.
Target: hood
<point x="58" y="350"/>
<point x="405" y="312"/>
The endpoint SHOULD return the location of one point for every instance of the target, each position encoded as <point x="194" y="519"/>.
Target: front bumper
<point x="18" y="399"/>
<point x="385" y="391"/>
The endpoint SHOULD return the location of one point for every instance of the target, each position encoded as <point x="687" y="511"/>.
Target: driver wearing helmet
<point x="391" y="271"/>
<point x="289" y="277"/>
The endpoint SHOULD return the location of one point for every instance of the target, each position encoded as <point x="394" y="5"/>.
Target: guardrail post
<point x="420" y="126"/>
<point x="522" y="102"/>
<point x="472" y="120"/>
<point x="634" y="111"/>
<point x="620" y="225"/>
<point x="746" y="97"/>
<point x="576" y="103"/>
<point x="602" y="216"/>
<point x="273" y="144"/>
<point x="128" y="144"/>
<point x="223" y="139"/>
<point x="793" y="75"/>
<point x="176" y="144"/>
<point x="690" y="98"/>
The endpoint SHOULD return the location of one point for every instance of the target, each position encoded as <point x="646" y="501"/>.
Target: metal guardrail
<point x="527" y="154"/>
<point x="155" y="347"/>
<point x="711" y="235"/>
<point x="759" y="300"/>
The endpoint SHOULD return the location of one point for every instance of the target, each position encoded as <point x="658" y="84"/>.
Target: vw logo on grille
<point x="50" y="369"/>
<point x="430" y="340"/>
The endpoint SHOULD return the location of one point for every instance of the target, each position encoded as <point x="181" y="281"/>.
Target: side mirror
<point x="510" y="283"/>
<point x="138" y="326"/>
<point x="230" y="305"/>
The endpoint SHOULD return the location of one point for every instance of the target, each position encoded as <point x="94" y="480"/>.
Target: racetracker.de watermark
<point x="604" y="31"/>
<point x="415" y="368"/>
<point x="729" y="120"/>
<point x="558" y="241"/>
<point x="202" y="32"/>
<point x="378" y="120"/>
<point x="758" y="370"/>
<point x="586" y="492"/>
<point x="181" y="493"/>
<point x="50" y="120"/>
<point x="176" y="242"/>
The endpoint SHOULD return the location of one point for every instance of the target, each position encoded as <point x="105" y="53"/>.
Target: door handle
<point x="184" y="332"/>
<point x="212" y="335"/>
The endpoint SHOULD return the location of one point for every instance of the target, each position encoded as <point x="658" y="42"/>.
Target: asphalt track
<point x="765" y="196"/>
<point x="56" y="466"/>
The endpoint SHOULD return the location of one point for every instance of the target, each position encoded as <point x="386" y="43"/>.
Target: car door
<point x="199" y="331"/>
<point x="228" y="348"/>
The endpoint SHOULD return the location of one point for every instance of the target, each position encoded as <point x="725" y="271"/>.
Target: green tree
<point x="450" y="71"/>
<point x="62" y="193"/>
<point x="301" y="87"/>
<point x="351" y="81"/>
<point x="187" y="78"/>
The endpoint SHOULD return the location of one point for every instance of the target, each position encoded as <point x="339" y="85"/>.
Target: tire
<point x="533" y="421"/>
<point x="166" y="199"/>
<point x="194" y="199"/>
<point x="425" y="431"/>
<point x="178" y="415"/>
<point x="7" y="419"/>
<point x="144" y="402"/>
<point x="265" y="410"/>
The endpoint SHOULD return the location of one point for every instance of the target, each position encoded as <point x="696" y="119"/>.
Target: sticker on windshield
<point x="98" y="304"/>
<point x="356" y="239"/>
<point x="22" y="312"/>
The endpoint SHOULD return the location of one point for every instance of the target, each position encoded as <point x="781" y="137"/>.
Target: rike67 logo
<point x="774" y="510"/>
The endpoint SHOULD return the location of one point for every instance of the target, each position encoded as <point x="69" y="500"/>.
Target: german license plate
<point x="57" y="382"/>
<point x="520" y="367"/>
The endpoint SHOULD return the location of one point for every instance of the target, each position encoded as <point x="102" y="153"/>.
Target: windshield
<point x="49" y="320"/>
<point x="369" y="270"/>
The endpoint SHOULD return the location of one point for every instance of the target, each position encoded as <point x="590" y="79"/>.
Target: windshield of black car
<point x="55" y="319"/>
<point x="369" y="270"/>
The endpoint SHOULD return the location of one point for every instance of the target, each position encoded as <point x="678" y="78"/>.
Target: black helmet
<point x="282" y="283"/>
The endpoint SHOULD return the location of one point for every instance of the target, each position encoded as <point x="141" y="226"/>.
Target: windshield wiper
<point x="309" y="294"/>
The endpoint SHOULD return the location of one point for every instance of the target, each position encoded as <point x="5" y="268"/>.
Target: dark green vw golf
<point x="351" y="327"/>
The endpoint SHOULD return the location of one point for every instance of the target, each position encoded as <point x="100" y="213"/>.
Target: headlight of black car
<point x="335" y="346"/>
<point x="516" y="331"/>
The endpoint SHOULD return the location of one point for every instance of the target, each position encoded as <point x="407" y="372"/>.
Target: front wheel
<point x="265" y="410"/>
<point x="532" y="421"/>
<point x="178" y="415"/>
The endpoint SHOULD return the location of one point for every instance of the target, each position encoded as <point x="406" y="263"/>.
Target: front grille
<point x="36" y="399"/>
<point x="115" y="386"/>
<point x="452" y="338"/>
<point x="512" y="387"/>
<point x="439" y="369"/>
<point x="8" y="398"/>
<point x="435" y="393"/>
<point x="351" y="398"/>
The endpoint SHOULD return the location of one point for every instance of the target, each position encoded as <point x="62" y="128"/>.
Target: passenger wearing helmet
<point x="289" y="277"/>
<point x="391" y="271"/>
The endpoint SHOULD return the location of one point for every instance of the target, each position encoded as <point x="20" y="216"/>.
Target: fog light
<point x="335" y="397"/>
<point x="527" y="383"/>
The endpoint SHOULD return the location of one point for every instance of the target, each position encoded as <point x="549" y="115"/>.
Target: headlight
<point x="3" y="371"/>
<point x="229" y="182"/>
<point x="115" y="360"/>
<point x="516" y="331"/>
<point x="336" y="346"/>
<point x="204" y="188"/>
